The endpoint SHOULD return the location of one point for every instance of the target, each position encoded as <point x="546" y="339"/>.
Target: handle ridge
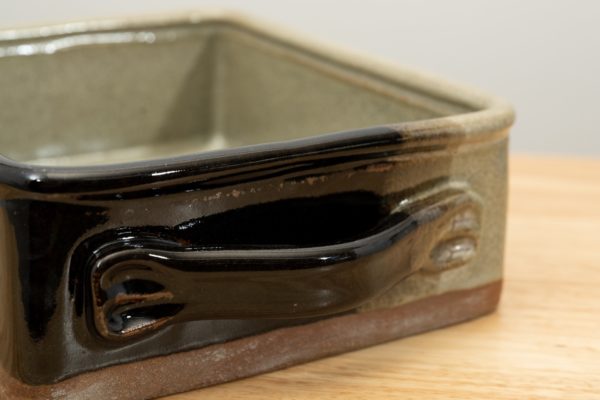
<point x="144" y="283"/>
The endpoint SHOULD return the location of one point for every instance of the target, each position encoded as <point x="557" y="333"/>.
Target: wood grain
<point x="543" y="343"/>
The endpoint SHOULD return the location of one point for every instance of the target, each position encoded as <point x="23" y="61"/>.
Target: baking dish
<point x="192" y="199"/>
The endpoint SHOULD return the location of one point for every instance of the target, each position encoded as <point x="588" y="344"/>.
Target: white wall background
<point x="542" y="55"/>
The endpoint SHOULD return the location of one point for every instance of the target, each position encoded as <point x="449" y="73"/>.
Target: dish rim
<point x="490" y="120"/>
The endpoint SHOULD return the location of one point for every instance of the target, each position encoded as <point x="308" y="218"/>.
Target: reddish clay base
<point x="179" y="372"/>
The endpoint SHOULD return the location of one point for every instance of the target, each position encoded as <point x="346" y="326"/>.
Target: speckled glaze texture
<point x="171" y="186"/>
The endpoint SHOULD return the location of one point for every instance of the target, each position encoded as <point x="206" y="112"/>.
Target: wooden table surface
<point x="542" y="343"/>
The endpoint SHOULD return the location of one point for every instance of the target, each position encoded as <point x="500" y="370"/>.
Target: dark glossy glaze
<point x="143" y="281"/>
<point x="212" y="248"/>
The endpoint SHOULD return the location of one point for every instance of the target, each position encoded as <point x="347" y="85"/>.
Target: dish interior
<point x="128" y="95"/>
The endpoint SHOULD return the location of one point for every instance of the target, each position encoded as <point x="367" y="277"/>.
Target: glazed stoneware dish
<point x="191" y="200"/>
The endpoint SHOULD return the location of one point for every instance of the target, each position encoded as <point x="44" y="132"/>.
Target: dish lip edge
<point x="490" y="120"/>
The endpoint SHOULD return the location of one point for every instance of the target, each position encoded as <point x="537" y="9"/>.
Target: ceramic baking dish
<point x="194" y="199"/>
